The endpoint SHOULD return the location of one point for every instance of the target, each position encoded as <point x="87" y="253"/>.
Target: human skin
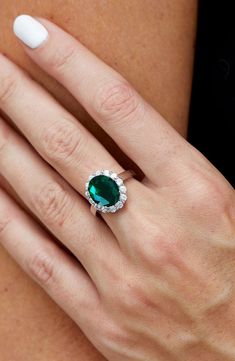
<point x="155" y="281"/>
<point x="157" y="58"/>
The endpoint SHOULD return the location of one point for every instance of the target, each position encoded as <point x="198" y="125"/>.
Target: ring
<point x="105" y="190"/>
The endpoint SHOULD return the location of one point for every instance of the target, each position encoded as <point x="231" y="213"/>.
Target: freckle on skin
<point x="5" y="289"/>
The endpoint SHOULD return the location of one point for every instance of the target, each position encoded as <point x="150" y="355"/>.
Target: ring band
<point x="105" y="190"/>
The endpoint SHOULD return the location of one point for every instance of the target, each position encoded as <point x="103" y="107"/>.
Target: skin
<point x="165" y="83"/>
<point x="161" y="251"/>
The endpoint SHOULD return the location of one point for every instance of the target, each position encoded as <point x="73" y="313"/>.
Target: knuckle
<point x="63" y="58"/>
<point x="209" y="195"/>
<point x="162" y="252"/>
<point x="166" y="254"/>
<point x="60" y="142"/>
<point x="118" y="337"/>
<point x="116" y="101"/>
<point x="52" y="203"/>
<point x="133" y="297"/>
<point x="158" y="251"/>
<point x="136" y="299"/>
<point x="8" y="85"/>
<point x="41" y="268"/>
<point x="129" y="296"/>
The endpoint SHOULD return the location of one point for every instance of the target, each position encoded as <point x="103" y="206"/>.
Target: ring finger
<point x="56" y="204"/>
<point x="60" y="139"/>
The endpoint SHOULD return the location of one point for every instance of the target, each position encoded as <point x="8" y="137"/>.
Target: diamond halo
<point x="121" y="187"/>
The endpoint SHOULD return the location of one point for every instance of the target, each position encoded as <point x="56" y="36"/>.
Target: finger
<point x="57" y="272"/>
<point x="59" y="138"/>
<point x="137" y="128"/>
<point x="56" y="204"/>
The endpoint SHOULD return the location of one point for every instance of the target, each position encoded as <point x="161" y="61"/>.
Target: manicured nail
<point x="30" y="31"/>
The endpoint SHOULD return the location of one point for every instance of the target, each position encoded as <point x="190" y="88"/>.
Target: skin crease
<point x="32" y="327"/>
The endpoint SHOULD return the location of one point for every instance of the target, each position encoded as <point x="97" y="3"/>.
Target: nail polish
<point x="30" y="31"/>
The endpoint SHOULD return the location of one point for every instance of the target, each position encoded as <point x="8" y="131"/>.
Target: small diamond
<point x="114" y="175"/>
<point x="98" y="172"/>
<point x="119" y="205"/>
<point x="112" y="209"/>
<point x="106" y="172"/>
<point x="87" y="194"/>
<point x="122" y="189"/>
<point x="123" y="197"/>
<point x="119" y="181"/>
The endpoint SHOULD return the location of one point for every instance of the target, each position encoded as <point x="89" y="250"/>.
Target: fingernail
<point x="30" y="31"/>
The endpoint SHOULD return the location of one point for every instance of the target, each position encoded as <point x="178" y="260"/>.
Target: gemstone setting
<point x="105" y="191"/>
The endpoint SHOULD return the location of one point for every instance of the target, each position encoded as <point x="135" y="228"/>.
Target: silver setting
<point x="122" y="190"/>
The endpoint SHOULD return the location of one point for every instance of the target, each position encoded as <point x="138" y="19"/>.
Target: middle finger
<point x="61" y="140"/>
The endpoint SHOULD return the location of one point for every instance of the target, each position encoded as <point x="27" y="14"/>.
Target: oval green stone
<point x="104" y="190"/>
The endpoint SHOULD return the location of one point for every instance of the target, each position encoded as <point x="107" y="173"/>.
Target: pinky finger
<point x="42" y="259"/>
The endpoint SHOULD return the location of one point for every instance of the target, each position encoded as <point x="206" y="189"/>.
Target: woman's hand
<point x="152" y="282"/>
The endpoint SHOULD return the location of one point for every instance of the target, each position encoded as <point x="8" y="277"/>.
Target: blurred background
<point x="212" y="114"/>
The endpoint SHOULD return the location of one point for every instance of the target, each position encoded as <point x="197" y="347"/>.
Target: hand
<point x="154" y="281"/>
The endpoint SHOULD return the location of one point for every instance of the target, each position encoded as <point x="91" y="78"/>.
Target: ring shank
<point x="126" y="174"/>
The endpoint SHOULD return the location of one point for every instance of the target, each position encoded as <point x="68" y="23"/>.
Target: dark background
<point x="212" y="114"/>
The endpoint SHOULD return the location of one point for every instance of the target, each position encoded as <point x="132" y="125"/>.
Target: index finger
<point x="137" y="128"/>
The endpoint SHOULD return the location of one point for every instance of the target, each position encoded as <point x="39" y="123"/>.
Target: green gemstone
<point x="104" y="190"/>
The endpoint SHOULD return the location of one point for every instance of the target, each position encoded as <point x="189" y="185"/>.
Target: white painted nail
<point x="30" y="31"/>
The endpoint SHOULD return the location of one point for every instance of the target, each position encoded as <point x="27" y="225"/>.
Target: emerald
<point x="104" y="190"/>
